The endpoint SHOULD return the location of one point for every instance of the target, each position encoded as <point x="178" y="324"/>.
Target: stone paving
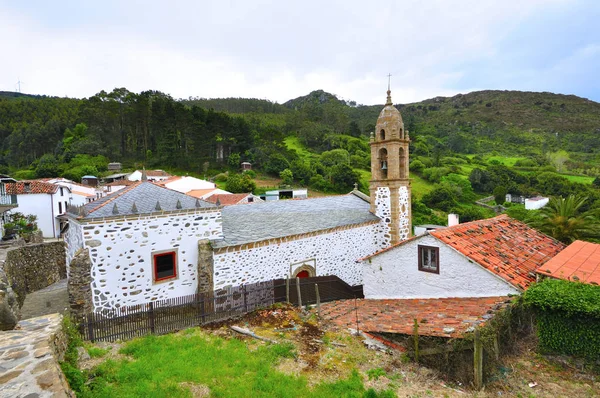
<point x="29" y="359"/>
<point x="50" y="300"/>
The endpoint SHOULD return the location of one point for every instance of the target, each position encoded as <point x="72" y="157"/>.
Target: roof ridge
<point x="117" y="194"/>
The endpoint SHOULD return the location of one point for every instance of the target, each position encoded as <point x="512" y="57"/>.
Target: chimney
<point x="453" y="220"/>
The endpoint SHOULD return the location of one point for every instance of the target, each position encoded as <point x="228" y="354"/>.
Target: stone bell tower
<point x="390" y="186"/>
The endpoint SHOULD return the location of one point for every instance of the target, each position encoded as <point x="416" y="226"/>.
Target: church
<point x="146" y="242"/>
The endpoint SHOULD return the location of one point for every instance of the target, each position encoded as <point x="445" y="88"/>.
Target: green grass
<point x="505" y="160"/>
<point x="581" y="179"/>
<point x="293" y="143"/>
<point x="158" y="365"/>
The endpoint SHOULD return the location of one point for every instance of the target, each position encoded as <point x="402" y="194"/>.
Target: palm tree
<point x="563" y="219"/>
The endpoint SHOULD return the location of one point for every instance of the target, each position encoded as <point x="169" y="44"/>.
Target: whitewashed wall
<point x="403" y="211"/>
<point x="121" y="255"/>
<point x="42" y="206"/>
<point x="395" y="274"/>
<point x="73" y="241"/>
<point x="335" y="253"/>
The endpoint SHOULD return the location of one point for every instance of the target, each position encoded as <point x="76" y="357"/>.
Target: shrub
<point x="435" y="174"/>
<point x="568" y="317"/>
<point x="416" y="166"/>
<point x="222" y="177"/>
<point x="250" y="173"/>
<point x="240" y="183"/>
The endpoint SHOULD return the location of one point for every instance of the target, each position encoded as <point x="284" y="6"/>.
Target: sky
<point x="279" y="50"/>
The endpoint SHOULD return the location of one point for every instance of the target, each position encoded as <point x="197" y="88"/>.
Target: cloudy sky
<point x="283" y="49"/>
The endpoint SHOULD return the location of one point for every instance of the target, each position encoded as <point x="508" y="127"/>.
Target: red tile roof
<point x="167" y="181"/>
<point x="580" y="261"/>
<point x="199" y="193"/>
<point x="226" y="199"/>
<point x="507" y="247"/>
<point x="455" y="315"/>
<point x="35" y="187"/>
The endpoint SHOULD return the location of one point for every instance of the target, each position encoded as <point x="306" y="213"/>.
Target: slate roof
<point x="275" y="219"/>
<point x="442" y="317"/>
<point x="35" y="187"/>
<point x="507" y="247"/>
<point x="580" y="261"/>
<point x="145" y="195"/>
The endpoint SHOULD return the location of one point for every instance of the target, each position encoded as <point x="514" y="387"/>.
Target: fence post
<point x="318" y="300"/>
<point x="298" y="290"/>
<point x="287" y="290"/>
<point x="151" y="316"/>
<point x="245" y="301"/>
<point x="416" y="339"/>
<point x="90" y="324"/>
<point x="478" y="361"/>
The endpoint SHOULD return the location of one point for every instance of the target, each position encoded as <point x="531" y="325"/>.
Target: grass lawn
<point x="292" y="142"/>
<point x="581" y="179"/>
<point x="177" y="365"/>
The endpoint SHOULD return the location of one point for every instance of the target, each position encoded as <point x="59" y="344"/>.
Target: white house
<point x="485" y="258"/>
<point x="45" y="200"/>
<point x="153" y="175"/>
<point x="80" y="194"/>
<point x="536" y="202"/>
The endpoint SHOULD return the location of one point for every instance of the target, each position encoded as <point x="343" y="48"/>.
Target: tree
<point x="563" y="219"/>
<point x="500" y="194"/>
<point x="47" y="167"/>
<point x="287" y="177"/>
<point x="240" y="183"/>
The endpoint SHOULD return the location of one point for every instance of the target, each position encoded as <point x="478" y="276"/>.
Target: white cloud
<point x="266" y="49"/>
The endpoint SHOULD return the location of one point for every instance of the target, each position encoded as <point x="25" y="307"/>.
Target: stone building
<point x="146" y="242"/>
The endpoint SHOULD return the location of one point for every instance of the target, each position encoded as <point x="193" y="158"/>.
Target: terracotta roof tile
<point x="199" y="193"/>
<point x="168" y="180"/>
<point x="507" y="247"/>
<point x="227" y="199"/>
<point x="433" y="315"/>
<point x="124" y="182"/>
<point x="580" y="261"/>
<point x="34" y="187"/>
<point x="156" y="173"/>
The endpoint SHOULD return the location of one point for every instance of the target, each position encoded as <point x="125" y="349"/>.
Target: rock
<point x="82" y="354"/>
<point x="9" y="305"/>
<point x="449" y="330"/>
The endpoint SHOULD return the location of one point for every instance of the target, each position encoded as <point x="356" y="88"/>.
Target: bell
<point x="383" y="165"/>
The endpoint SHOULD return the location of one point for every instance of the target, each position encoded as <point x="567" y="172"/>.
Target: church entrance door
<point x="303" y="274"/>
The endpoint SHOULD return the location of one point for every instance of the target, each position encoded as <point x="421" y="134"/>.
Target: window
<point x="59" y="208"/>
<point x="250" y="199"/>
<point x="165" y="266"/>
<point x="62" y="193"/>
<point x="429" y="259"/>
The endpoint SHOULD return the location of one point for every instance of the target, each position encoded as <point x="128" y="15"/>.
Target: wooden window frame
<point x="437" y="258"/>
<point x="155" y="255"/>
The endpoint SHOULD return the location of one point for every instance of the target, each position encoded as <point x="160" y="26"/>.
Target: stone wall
<point x="34" y="267"/>
<point x="121" y="251"/>
<point x="80" y="285"/>
<point x="330" y="252"/>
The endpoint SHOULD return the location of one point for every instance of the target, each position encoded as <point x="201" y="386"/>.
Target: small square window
<point x="165" y="266"/>
<point x="429" y="259"/>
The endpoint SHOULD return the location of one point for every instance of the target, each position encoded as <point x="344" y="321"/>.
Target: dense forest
<point x="316" y="140"/>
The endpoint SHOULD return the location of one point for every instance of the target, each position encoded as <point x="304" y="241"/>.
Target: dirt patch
<point x="197" y="390"/>
<point x="112" y="352"/>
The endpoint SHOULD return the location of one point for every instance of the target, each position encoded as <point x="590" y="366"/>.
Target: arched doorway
<point x="303" y="274"/>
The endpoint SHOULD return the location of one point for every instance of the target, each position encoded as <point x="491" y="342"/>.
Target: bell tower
<point x="389" y="187"/>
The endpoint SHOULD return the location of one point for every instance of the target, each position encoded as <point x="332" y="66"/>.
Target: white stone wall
<point x="383" y="210"/>
<point x="395" y="275"/>
<point x="73" y="241"/>
<point x="121" y="255"/>
<point x="335" y="253"/>
<point x="44" y="206"/>
<point x="403" y="214"/>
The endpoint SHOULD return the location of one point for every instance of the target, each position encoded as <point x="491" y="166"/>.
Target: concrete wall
<point x="121" y="251"/>
<point x="332" y="253"/>
<point x="395" y="274"/>
<point x="34" y="267"/>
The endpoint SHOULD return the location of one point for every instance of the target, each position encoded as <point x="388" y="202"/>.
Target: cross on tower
<point x="389" y="80"/>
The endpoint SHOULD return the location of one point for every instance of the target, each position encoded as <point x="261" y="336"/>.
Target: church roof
<point x="147" y="198"/>
<point x="275" y="219"/>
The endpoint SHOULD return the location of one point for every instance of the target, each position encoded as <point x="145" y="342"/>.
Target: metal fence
<point x="168" y="315"/>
